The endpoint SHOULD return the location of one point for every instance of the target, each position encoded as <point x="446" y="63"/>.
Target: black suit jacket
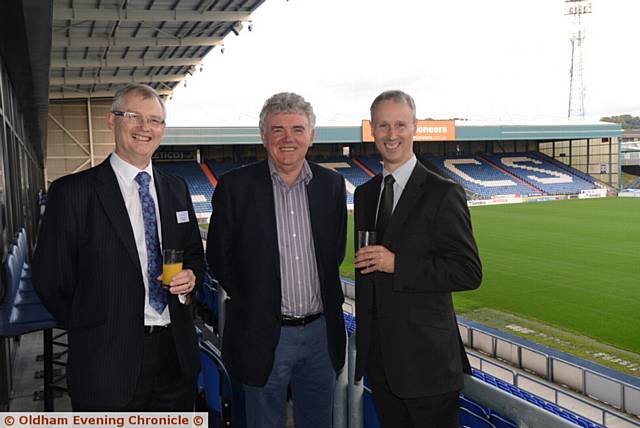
<point x="87" y="272"/>
<point x="435" y="254"/>
<point x="242" y="250"/>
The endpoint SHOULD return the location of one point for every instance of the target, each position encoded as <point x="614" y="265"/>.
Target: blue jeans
<point x="302" y="360"/>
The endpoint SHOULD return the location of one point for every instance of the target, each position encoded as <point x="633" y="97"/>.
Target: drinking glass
<point x="365" y="238"/>
<point x="171" y="265"/>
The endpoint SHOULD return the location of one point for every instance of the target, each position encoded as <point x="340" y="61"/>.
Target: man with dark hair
<point x="276" y="239"/>
<point x="132" y="344"/>
<point x="407" y="337"/>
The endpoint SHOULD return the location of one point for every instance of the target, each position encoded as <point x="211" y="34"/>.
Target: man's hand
<point x="374" y="258"/>
<point x="182" y="282"/>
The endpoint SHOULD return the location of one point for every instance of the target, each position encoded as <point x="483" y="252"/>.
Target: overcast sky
<point x="490" y="60"/>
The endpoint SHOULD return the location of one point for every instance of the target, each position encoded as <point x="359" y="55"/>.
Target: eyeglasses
<point x="139" y="119"/>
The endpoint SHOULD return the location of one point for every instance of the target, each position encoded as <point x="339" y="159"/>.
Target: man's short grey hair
<point x="139" y="89"/>
<point x="286" y="102"/>
<point x="396" y="96"/>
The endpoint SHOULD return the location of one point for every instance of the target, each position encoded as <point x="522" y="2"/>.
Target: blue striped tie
<point x="157" y="295"/>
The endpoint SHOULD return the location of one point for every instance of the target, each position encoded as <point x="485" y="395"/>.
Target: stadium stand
<point x="221" y="168"/>
<point x="353" y="175"/>
<point x="200" y="187"/>
<point x="480" y="177"/>
<point x="374" y="163"/>
<point x="565" y="167"/>
<point x="546" y="176"/>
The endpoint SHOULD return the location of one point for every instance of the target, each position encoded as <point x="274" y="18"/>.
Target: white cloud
<point x="492" y="59"/>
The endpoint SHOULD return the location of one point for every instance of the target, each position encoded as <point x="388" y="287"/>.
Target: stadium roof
<point x="190" y="136"/>
<point x="100" y="45"/>
<point x="87" y="48"/>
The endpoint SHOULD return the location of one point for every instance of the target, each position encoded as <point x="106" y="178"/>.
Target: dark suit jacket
<point x="242" y="250"/>
<point x="88" y="275"/>
<point x="430" y="234"/>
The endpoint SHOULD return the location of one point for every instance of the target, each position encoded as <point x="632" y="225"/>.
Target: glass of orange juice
<point x="171" y="265"/>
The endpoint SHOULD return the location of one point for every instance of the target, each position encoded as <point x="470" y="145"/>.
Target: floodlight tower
<point x="575" y="10"/>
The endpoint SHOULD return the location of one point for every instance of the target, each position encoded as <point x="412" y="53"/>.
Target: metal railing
<point x="590" y="383"/>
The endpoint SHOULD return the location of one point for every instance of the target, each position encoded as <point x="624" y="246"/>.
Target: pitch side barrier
<point x="589" y="379"/>
<point x="593" y="380"/>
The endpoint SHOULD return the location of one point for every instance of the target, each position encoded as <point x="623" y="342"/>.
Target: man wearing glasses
<point x="132" y="344"/>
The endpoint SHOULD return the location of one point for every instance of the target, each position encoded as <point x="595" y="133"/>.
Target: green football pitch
<point x="571" y="264"/>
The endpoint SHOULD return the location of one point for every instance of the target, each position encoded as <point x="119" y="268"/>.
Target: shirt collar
<point x="126" y="170"/>
<point x="403" y="173"/>
<point x="305" y="173"/>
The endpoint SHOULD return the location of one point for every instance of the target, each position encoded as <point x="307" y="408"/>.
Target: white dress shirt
<point x="401" y="177"/>
<point x="126" y="174"/>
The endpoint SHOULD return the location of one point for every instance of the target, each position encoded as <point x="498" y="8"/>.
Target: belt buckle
<point x="150" y="329"/>
<point x="293" y="321"/>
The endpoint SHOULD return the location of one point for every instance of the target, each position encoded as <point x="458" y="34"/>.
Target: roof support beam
<point x="128" y="62"/>
<point x="60" y="41"/>
<point x="136" y="15"/>
<point x="71" y="94"/>
<point x="107" y="80"/>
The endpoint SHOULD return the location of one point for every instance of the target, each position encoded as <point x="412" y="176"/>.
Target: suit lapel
<point x="263" y="196"/>
<point x="113" y="204"/>
<point x="410" y="196"/>
<point x="166" y="220"/>
<point x="371" y="203"/>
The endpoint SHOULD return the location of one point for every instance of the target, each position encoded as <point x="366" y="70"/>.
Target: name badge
<point x="182" y="216"/>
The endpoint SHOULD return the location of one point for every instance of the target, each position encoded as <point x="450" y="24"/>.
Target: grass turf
<point x="571" y="264"/>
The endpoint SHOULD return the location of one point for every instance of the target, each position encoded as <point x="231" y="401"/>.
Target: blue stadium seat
<point x="561" y="165"/>
<point x="217" y="386"/>
<point x="500" y="421"/>
<point x="374" y="163"/>
<point x="369" y="413"/>
<point x="473" y="407"/>
<point x="221" y="168"/>
<point x="542" y="172"/>
<point x="479" y="176"/>
<point x="350" y="323"/>
<point x="21" y="310"/>
<point x="207" y="298"/>
<point x="468" y="419"/>
<point x="199" y="185"/>
<point x="352" y="173"/>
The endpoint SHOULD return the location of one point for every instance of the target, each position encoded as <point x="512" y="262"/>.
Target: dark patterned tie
<point x="157" y="295"/>
<point x="385" y="208"/>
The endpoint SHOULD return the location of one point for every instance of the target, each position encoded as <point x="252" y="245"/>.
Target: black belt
<point x="155" y="329"/>
<point x="299" y="321"/>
